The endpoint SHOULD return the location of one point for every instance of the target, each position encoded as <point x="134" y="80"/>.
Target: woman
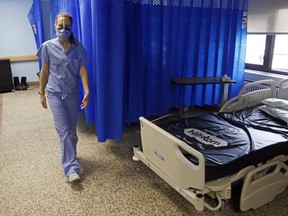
<point x="63" y="62"/>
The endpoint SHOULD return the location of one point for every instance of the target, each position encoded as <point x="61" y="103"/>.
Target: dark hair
<point x="67" y="15"/>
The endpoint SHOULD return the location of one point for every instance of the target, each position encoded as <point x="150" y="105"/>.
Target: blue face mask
<point x="63" y="34"/>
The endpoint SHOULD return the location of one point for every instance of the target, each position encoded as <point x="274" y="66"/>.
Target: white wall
<point x="17" y="38"/>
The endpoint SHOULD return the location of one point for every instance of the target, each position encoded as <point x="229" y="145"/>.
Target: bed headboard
<point x="251" y="94"/>
<point x="283" y="90"/>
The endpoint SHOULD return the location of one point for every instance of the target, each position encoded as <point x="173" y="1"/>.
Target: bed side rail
<point x="163" y="150"/>
<point x="250" y="95"/>
<point x="283" y="89"/>
<point x="263" y="184"/>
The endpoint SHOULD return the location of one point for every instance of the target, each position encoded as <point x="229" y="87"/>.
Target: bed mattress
<point x="231" y="141"/>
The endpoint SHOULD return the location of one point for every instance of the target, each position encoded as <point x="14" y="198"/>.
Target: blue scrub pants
<point x="64" y="108"/>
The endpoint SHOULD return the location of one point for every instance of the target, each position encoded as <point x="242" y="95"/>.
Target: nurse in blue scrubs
<point x="64" y="62"/>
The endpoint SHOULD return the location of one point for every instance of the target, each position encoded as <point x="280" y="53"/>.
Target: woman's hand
<point x="85" y="82"/>
<point x="42" y="83"/>
<point x="85" y="101"/>
<point x="43" y="101"/>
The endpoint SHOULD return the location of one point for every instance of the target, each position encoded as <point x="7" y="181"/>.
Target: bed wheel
<point x="135" y="150"/>
<point x="135" y="158"/>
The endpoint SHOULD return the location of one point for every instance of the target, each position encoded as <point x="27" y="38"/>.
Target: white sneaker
<point x="74" y="177"/>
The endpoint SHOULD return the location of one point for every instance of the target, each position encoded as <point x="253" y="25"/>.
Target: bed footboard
<point x="162" y="153"/>
<point x="165" y="152"/>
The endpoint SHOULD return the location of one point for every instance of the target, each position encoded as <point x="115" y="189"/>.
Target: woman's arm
<point x="85" y="82"/>
<point x="43" y="80"/>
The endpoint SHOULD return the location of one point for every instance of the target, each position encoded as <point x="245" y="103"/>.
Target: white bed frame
<point x="161" y="153"/>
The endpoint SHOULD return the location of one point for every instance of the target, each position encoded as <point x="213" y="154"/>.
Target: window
<point x="280" y="53"/>
<point x="267" y="53"/>
<point x="255" y="49"/>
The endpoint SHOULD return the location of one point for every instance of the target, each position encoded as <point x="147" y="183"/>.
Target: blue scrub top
<point x="63" y="66"/>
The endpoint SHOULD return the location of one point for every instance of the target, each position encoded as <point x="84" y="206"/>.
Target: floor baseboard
<point x="33" y="84"/>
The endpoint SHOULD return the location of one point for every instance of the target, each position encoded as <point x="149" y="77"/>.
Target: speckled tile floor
<point x="32" y="182"/>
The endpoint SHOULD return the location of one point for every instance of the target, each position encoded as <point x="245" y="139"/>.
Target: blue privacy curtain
<point x="188" y="38"/>
<point x="36" y="21"/>
<point x="137" y="46"/>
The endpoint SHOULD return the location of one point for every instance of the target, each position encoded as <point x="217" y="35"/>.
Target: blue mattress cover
<point x="231" y="141"/>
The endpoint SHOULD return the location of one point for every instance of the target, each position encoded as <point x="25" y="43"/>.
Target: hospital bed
<point x="216" y="150"/>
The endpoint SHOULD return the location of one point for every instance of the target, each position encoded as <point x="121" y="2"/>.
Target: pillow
<point x="276" y="102"/>
<point x="276" y="112"/>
